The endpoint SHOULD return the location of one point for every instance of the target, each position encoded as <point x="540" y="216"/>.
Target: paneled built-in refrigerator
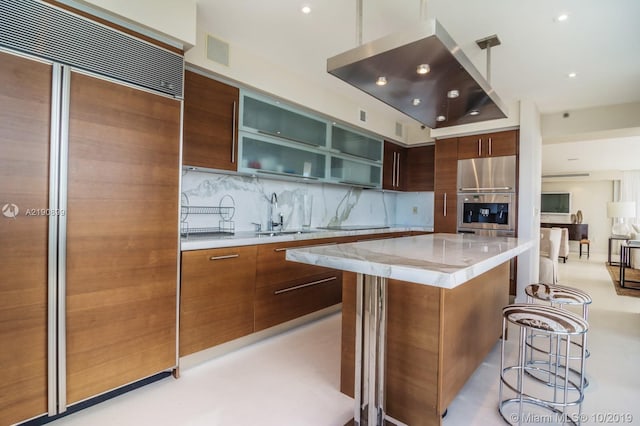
<point x="89" y="237"/>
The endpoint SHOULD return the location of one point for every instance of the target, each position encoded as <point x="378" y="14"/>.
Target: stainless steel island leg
<point x="371" y="323"/>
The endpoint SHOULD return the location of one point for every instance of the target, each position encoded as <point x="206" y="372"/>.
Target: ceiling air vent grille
<point x="48" y="32"/>
<point x="217" y="50"/>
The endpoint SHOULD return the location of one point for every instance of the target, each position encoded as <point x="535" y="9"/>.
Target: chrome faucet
<point x="271" y="225"/>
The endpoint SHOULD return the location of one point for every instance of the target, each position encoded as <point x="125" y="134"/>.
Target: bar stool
<point x="562" y="326"/>
<point x="559" y="296"/>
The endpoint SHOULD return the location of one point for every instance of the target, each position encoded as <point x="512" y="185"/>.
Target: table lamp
<point x="618" y="210"/>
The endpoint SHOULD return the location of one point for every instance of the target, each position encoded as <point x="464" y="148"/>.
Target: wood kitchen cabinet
<point x="419" y="166"/>
<point x="435" y="340"/>
<point x="445" y="192"/>
<point x="216" y="296"/>
<point x="408" y="169"/>
<point x="393" y="176"/>
<point x="287" y="290"/>
<point x="210" y="123"/>
<point x="495" y="144"/>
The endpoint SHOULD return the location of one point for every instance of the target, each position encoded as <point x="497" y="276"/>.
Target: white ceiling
<point x="599" y="41"/>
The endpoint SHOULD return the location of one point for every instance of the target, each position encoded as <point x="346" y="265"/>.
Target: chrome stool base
<point x="559" y="397"/>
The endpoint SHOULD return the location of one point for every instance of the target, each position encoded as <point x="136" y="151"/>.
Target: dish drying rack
<point x="225" y="209"/>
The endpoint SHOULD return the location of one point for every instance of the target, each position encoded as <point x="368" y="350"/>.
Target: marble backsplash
<point x="331" y="205"/>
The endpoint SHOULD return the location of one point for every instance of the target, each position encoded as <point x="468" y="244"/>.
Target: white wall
<point x="249" y="70"/>
<point x="176" y="19"/>
<point x="529" y="194"/>
<point x="591" y="197"/>
<point x="621" y="120"/>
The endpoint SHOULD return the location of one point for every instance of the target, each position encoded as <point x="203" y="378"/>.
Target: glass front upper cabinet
<point x="353" y="172"/>
<point x="349" y="142"/>
<point x="274" y="119"/>
<point x="270" y="156"/>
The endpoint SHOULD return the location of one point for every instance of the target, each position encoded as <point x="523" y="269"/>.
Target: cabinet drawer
<point x="280" y="302"/>
<point x="272" y="267"/>
<point x="216" y="296"/>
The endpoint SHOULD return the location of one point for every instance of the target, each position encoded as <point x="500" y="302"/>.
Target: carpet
<point x="629" y="274"/>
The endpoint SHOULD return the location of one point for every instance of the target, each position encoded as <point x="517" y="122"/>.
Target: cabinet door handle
<point x="233" y="134"/>
<point x="398" y="172"/>
<point x="479" y="147"/>
<point x="393" y="171"/>
<point x="444" y="210"/>
<point x="490" y="146"/>
<point x="297" y="287"/>
<point x="226" y="256"/>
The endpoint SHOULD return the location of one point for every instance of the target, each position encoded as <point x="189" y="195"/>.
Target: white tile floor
<point x="293" y="378"/>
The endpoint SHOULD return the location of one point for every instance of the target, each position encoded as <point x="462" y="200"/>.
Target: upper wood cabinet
<point x="408" y="169"/>
<point x="210" y="123"/>
<point x="445" y="191"/>
<point x="488" y="145"/>
<point x="419" y="168"/>
<point x="393" y="167"/>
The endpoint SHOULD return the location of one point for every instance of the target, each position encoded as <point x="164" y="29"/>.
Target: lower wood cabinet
<point x="280" y="302"/>
<point x="436" y="339"/>
<point x="287" y="290"/>
<point x="216" y="296"/>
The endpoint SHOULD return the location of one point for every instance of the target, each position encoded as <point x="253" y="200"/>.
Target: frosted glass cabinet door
<point x="276" y="120"/>
<point x="271" y="156"/>
<point x="357" y="144"/>
<point x="355" y="172"/>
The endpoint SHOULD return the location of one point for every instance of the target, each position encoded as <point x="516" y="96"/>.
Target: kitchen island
<point x="419" y="315"/>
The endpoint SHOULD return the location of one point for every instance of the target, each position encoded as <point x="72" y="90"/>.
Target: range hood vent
<point x="426" y="97"/>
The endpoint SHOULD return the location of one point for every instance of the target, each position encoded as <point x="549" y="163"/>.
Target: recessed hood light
<point x="427" y="43"/>
<point x="423" y="69"/>
<point x="452" y="94"/>
<point x="441" y="118"/>
<point x="415" y="101"/>
<point x="381" y="81"/>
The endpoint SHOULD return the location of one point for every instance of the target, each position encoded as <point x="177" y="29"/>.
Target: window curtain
<point x="630" y="191"/>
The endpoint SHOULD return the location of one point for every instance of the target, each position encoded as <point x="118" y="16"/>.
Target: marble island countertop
<point x="440" y="260"/>
<point x="244" y="238"/>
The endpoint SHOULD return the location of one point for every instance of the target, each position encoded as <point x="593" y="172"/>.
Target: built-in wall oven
<point x="487" y="214"/>
<point x="487" y="196"/>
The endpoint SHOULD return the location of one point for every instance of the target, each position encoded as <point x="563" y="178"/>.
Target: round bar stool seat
<point x="561" y="325"/>
<point x="558" y="295"/>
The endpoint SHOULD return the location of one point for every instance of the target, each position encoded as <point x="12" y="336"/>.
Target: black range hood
<point x="431" y="97"/>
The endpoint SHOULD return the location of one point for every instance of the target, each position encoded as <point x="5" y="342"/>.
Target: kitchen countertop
<point x="440" y="260"/>
<point x="244" y="238"/>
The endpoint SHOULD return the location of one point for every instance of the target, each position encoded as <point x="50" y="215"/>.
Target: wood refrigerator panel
<point x="25" y="110"/>
<point x="122" y="244"/>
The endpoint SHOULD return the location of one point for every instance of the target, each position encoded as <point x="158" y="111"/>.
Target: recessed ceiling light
<point x="572" y="75"/>
<point x="441" y="118"/>
<point x="423" y="69"/>
<point x="562" y="17"/>
<point x="381" y="81"/>
<point x="306" y="9"/>
<point x="452" y="94"/>
<point x="415" y="101"/>
<point x="474" y="112"/>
